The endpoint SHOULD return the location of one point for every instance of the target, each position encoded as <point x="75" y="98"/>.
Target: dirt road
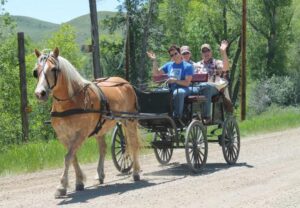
<point x="267" y="175"/>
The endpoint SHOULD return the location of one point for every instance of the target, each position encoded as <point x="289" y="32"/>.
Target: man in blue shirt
<point x="180" y="77"/>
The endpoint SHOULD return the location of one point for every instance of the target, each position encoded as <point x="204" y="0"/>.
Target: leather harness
<point x="104" y="105"/>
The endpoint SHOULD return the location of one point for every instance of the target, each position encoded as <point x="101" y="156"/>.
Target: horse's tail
<point x="136" y="91"/>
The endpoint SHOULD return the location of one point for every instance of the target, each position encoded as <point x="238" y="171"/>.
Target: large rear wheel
<point x="230" y="141"/>
<point x="120" y="156"/>
<point x="196" y="146"/>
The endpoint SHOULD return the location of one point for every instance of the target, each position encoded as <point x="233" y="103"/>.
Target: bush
<point x="279" y="90"/>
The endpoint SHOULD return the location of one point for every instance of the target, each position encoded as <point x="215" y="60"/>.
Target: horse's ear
<point x="37" y="53"/>
<point x="56" y="52"/>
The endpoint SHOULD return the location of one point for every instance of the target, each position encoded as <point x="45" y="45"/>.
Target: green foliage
<point x="275" y="90"/>
<point x="65" y="40"/>
<point x="9" y="93"/>
<point x="270" y="23"/>
<point x="113" y="61"/>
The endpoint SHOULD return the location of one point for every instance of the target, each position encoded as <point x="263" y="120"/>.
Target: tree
<point x="137" y="26"/>
<point x="271" y="20"/>
<point x="10" y="124"/>
<point x="65" y="39"/>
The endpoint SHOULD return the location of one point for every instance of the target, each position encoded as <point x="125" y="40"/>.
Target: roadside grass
<point x="35" y="156"/>
<point x="275" y="119"/>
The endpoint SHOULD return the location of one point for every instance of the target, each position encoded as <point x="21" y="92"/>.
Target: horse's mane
<point x="74" y="80"/>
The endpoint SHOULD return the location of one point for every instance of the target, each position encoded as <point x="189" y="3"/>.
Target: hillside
<point x="36" y="29"/>
<point x="39" y="30"/>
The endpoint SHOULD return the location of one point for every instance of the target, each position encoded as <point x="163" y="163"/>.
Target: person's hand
<point x="224" y="45"/>
<point x="171" y="80"/>
<point x="151" y="55"/>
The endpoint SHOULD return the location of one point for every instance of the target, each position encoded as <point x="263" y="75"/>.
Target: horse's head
<point x="46" y="71"/>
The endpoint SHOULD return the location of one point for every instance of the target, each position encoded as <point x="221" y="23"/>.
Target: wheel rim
<point x="196" y="146"/>
<point x="162" y="145"/>
<point x="231" y="141"/>
<point x="121" y="158"/>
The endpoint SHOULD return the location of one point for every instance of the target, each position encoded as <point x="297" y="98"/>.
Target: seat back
<point x="154" y="101"/>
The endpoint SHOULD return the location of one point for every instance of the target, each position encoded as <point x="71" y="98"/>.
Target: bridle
<point x="55" y="71"/>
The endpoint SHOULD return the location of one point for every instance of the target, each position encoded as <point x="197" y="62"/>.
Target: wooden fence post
<point x="95" y="39"/>
<point x="23" y="87"/>
<point x="243" y="70"/>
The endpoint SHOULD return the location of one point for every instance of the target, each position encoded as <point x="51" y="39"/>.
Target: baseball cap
<point x="185" y="49"/>
<point x="205" y="46"/>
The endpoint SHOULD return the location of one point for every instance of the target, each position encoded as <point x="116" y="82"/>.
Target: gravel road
<point x="267" y="174"/>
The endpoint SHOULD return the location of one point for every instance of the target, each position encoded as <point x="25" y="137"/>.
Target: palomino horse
<point x="79" y="110"/>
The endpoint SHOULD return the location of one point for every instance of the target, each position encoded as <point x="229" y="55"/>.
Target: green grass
<point x="45" y="155"/>
<point x="275" y="119"/>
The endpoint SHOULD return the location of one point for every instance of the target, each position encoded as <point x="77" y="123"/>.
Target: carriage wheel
<point x="120" y="156"/>
<point x="230" y="141"/>
<point x="163" y="147"/>
<point x="196" y="146"/>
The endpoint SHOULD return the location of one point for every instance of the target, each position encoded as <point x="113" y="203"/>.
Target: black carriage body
<point x="157" y="105"/>
<point x="157" y="102"/>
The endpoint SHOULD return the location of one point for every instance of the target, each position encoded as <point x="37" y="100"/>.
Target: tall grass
<point x="44" y="155"/>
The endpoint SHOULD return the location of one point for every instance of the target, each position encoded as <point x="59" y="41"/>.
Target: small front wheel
<point x="163" y="146"/>
<point x="120" y="156"/>
<point x="196" y="146"/>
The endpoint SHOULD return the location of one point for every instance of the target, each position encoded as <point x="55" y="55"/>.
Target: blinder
<point x="35" y="73"/>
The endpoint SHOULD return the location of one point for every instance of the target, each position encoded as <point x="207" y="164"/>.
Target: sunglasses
<point x="205" y="50"/>
<point x="185" y="53"/>
<point x="173" y="54"/>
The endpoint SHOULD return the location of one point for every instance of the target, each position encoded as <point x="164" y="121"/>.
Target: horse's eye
<point x="35" y="73"/>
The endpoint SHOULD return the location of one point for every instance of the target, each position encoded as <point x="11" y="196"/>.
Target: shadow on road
<point x="178" y="169"/>
<point x="115" y="187"/>
<point x="103" y="190"/>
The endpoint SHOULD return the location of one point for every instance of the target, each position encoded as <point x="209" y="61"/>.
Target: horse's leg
<point x="133" y="146"/>
<point x="80" y="178"/>
<point x="102" y="151"/>
<point x="72" y="148"/>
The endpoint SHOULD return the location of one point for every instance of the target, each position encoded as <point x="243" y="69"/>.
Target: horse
<point x="80" y="109"/>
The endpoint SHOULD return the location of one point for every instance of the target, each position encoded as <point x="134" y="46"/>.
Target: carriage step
<point x="162" y="144"/>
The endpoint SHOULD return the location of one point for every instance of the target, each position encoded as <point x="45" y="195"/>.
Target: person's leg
<point x="208" y="91"/>
<point x="178" y="101"/>
<point x="194" y="90"/>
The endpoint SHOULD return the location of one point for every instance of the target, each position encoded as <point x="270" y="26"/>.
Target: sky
<point x="56" y="11"/>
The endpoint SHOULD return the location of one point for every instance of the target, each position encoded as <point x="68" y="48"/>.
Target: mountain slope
<point x="39" y="30"/>
<point x="36" y="29"/>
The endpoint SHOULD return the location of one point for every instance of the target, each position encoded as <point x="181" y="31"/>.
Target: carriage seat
<point x="196" y="79"/>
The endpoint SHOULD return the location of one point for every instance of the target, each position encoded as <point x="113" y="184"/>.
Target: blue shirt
<point x="178" y="71"/>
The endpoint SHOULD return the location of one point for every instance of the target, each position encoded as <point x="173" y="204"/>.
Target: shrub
<point x="278" y="90"/>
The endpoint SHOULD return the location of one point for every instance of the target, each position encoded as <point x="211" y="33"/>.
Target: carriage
<point x="81" y="109"/>
<point x="155" y="115"/>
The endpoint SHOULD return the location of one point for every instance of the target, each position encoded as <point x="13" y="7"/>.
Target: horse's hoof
<point x="60" y="193"/>
<point x="101" y="181"/>
<point x="136" y="177"/>
<point x="79" y="187"/>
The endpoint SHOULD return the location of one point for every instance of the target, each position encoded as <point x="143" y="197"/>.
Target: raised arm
<point x="155" y="69"/>
<point x="223" y="47"/>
